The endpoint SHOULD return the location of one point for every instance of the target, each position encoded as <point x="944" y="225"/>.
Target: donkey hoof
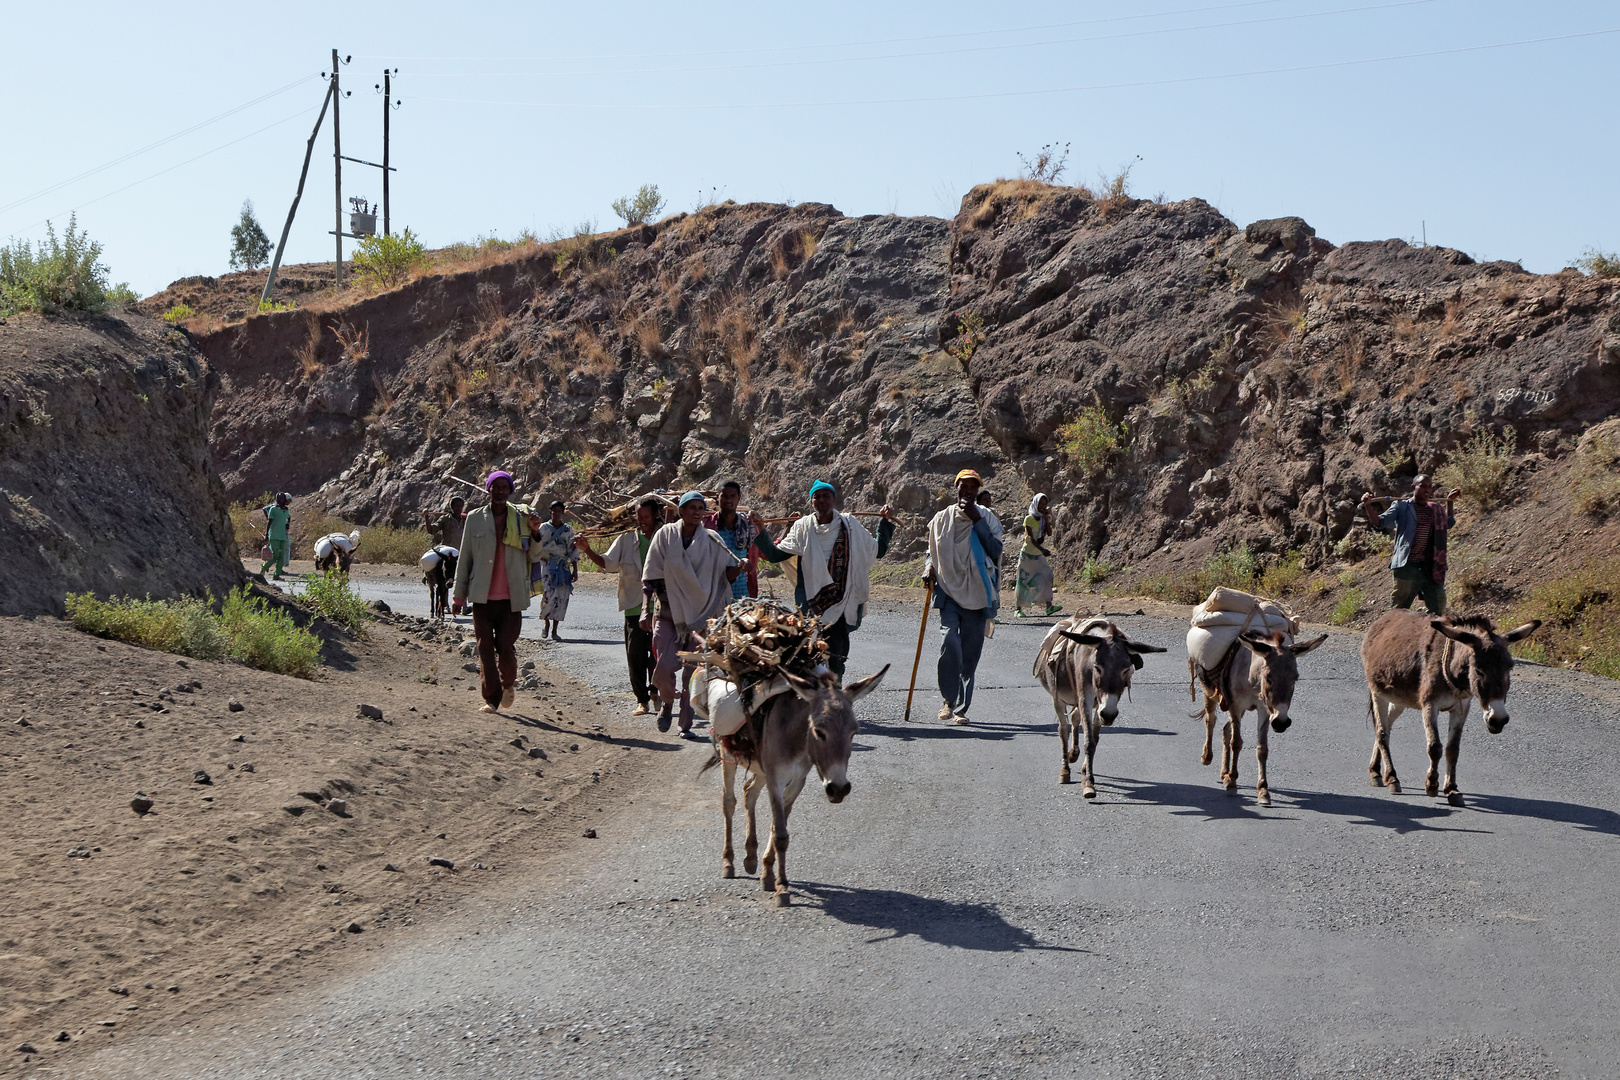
<point x="767" y="882"/>
<point x="750" y="864"/>
<point x="1063" y="777"/>
<point x="1263" y="798"/>
<point x="728" y="871"/>
<point x="1375" y="780"/>
<point x="1088" y="792"/>
<point x="1205" y="758"/>
<point x="1074" y="756"/>
<point x="779" y="899"/>
<point x="1393" y="785"/>
<point x="1431" y="789"/>
<point x="1454" y="798"/>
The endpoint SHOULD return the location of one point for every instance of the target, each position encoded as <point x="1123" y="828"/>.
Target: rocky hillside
<point x="106" y="480"/>
<point x="1178" y="384"/>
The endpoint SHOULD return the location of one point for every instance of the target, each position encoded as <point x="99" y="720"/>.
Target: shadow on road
<point x="943" y="922"/>
<point x="1210" y="802"/>
<point x="1586" y="818"/>
<point x="975" y="730"/>
<point x="591" y="736"/>
<point x="1401" y="814"/>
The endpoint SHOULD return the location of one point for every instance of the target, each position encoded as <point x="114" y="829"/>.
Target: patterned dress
<point x="555" y="575"/>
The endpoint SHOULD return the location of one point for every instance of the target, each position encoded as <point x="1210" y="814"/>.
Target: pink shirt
<point x="498" y="587"/>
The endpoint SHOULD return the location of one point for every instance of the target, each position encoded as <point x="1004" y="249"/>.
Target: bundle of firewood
<point x="755" y="639"/>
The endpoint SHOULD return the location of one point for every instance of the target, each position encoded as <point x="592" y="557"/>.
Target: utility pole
<point x="309" y="150"/>
<point x="386" y="110"/>
<point x="337" y="174"/>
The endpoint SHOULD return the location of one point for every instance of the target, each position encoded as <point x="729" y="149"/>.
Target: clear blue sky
<point x="538" y="115"/>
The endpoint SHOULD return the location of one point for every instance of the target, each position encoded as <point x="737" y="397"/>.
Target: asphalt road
<point x="961" y="914"/>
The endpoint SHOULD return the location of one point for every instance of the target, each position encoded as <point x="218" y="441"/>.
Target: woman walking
<point x="1034" y="587"/>
<point x="558" y="572"/>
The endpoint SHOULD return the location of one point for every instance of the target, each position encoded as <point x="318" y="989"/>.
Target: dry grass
<point x="1281" y="322"/>
<point x="356" y="344"/>
<point x="593" y="357"/>
<point x="490" y="312"/>
<point x="1113" y="194"/>
<point x="1352" y="358"/>
<point x="649" y="337"/>
<point x="309" y="353"/>
<point x="1451" y="324"/>
<point x="1595" y="477"/>
<point x="792" y="356"/>
<point x="1010" y="200"/>
<point x="791" y="250"/>
<point x="1405" y="328"/>
<point x="738" y="333"/>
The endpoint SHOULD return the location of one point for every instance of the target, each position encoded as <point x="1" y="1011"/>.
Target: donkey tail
<point x="1192" y="678"/>
<point x="714" y="759"/>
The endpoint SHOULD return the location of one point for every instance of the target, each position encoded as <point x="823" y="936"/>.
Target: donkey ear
<point x="860" y="688"/>
<point x="1083" y="639"/>
<point x="1521" y="632"/>
<point x="1258" y="644"/>
<point x="805" y="688"/>
<point x="1461" y="637"/>
<point x="1301" y="650"/>
<point x="1139" y="647"/>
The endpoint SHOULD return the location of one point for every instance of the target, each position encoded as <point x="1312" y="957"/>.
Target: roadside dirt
<point x="244" y="886"/>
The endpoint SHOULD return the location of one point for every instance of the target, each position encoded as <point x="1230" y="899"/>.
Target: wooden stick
<point x="921" y="632"/>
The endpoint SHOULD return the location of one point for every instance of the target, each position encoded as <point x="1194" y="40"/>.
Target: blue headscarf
<point x="821" y="485"/>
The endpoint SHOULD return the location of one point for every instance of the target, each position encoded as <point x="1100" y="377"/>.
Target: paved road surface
<point x="961" y="914"/>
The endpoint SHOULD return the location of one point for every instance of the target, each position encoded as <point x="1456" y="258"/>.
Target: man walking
<point x="278" y="516"/>
<point x="493" y="572"/>
<point x="446" y="528"/>
<point x="835" y="567"/>
<point x="690" y="571"/>
<point x="625" y="557"/>
<point x="1418" y="562"/>
<point x="559" y="572"/>
<point x="737" y="533"/>
<point x="963" y="555"/>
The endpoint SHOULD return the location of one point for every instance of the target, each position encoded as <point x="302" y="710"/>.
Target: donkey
<point x="814" y="725"/>
<point x="1080" y="660"/>
<point x="1259" y="673"/>
<point x="1415" y="661"/>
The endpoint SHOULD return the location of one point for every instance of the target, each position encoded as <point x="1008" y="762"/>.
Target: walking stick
<point x="927" y="599"/>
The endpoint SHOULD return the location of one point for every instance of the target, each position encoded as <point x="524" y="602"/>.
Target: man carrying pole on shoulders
<point x="690" y="571"/>
<point x="963" y="554"/>
<point x="1418" y="562"/>
<point x="625" y="557"/>
<point x="835" y="566"/>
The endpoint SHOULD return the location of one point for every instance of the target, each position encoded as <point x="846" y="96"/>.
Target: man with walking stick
<point x="963" y="554"/>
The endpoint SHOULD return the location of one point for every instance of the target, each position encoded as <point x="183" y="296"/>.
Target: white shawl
<point x="624" y="558"/>
<point x="694" y="576"/>
<point x="813" y="543"/>
<point x="950" y="558"/>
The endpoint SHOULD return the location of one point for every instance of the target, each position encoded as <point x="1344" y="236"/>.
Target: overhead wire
<point x="999" y="94"/>
<point x="58" y="186"/>
<point x="1006" y="46"/>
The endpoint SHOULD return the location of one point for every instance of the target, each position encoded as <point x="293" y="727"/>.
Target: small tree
<point x="646" y="205"/>
<point x="250" y="248"/>
<point x="386" y="261"/>
<point x="62" y="272"/>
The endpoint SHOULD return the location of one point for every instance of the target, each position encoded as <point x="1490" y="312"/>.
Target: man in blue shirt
<point x="1418" y="562"/>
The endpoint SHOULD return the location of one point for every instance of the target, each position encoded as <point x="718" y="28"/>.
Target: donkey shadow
<point x="1205" y="801"/>
<point x="1586" y="818"/>
<point x="941" y="922"/>
<point x="1400" y="814"/>
<point x="977" y="730"/>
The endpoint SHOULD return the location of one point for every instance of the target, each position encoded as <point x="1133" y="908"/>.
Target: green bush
<point x="186" y="626"/>
<point x="1088" y="439"/>
<point x="1349" y="605"/>
<point x="644" y="206"/>
<point x="250" y="248"/>
<point x="386" y="261"/>
<point x="247" y="629"/>
<point x="122" y="296"/>
<point x="1600" y="263"/>
<point x="1480" y="468"/>
<point x="1238" y="569"/>
<point x="1092" y="571"/>
<point x="1580" y="614"/>
<point x="178" y="313"/>
<point x="331" y="596"/>
<point x="268" y="639"/>
<point x="386" y="544"/>
<point x="62" y="273"/>
<point x="267" y="306"/>
<point x="1283" y="576"/>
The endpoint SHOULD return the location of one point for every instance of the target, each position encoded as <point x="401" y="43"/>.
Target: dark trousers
<point x="959" y="652"/>
<point x="1414" y="581"/>
<point x="837" y="638"/>
<point x="639" y="655"/>
<point x="497" y="628"/>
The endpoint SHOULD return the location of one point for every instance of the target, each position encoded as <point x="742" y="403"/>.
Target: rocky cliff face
<point x="1259" y="378"/>
<point x="107" y="483"/>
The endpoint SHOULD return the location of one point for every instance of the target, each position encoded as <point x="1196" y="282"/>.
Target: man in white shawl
<point x="625" y="558"/>
<point x="835" y="566"/>
<point x="963" y="554"/>
<point x="690" y="570"/>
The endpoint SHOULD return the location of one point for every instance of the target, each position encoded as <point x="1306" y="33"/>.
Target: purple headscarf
<point x="489" y="481"/>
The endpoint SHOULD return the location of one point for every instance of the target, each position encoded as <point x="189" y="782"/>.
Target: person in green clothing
<point x="1034" y="589"/>
<point x="279" y="517"/>
<point x="625" y="557"/>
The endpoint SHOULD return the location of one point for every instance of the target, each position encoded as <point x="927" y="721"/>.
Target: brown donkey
<point x="1415" y="661"/>
<point x="1080" y="661"/>
<point x="1259" y="673"/>
<point x="814" y="725"/>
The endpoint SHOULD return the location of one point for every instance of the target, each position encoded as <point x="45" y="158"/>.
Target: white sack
<point x="323" y="547"/>
<point x="718" y="700"/>
<point x="430" y="559"/>
<point x="1218" y="621"/>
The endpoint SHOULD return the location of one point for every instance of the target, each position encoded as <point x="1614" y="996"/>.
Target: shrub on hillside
<point x="1349" y="606"/>
<point x="386" y="261"/>
<point x="247" y="629"/>
<point x="1480" y="468"/>
<point x="63" y="273"/>
<point x="331" y="596"/>
<point x="1600" y="263"/>
<point x="1238" y="568"/>
<point x="250" y="248"/>
<point x="387" y="544"/>
<point x="642" y="207"/>
<point x="268" y="639"/>
<point x="1596" y="477"/>
<point x="1580" y="614"/>
<point x="1088" y="439"/>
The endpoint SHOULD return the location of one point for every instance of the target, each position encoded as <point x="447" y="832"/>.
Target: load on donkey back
<point x="775" y="709"/>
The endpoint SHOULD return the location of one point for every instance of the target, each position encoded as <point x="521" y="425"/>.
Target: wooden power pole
<point x="309" y="150"/>
<point x="337" y="175"/>
<point x="387" y="108"/>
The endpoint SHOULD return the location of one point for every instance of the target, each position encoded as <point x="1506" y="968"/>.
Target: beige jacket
<point x="478" y="545"/>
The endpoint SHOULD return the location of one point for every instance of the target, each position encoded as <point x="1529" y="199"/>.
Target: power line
<point x="779" y="64"/>
<point x="222" y="146"/>
<point x="1131" y="85"/>
<point x="151" y="146"/>
<point x="849" y="44"/>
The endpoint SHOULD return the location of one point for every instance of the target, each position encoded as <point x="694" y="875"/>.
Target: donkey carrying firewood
<point x="1415" y="661"/>
<point x="1081" y="661"/>
<point x="813" y="725"/>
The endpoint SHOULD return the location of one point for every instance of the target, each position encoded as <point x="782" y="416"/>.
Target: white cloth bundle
<point x="1226" y="614"/>
<point x="718" y="700"/>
